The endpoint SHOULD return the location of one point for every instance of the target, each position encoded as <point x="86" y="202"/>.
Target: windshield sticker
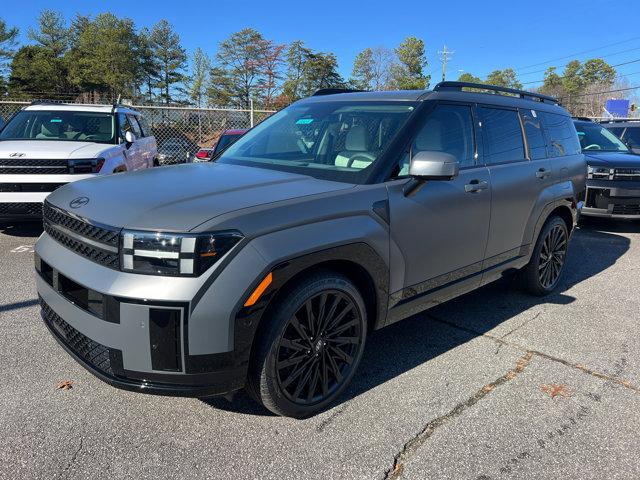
<point x="304" y="121"/>
<point x="55" y="120"/>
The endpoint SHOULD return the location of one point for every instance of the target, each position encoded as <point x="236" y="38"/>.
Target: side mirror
<point x="129" y="137"/>
<point x="432" y="165"/>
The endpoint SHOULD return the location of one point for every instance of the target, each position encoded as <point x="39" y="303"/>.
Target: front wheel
<point x="542" y="274"/>
<point x="311" y="346"/>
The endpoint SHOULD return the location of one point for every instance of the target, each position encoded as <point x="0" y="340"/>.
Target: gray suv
<point x="341" y="214"/>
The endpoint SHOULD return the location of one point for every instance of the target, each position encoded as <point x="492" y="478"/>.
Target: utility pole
<point x="445" y="54"/>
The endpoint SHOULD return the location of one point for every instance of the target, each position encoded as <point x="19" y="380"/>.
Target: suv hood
<point x="612" y="159"/>
<point x="51" y="149"/>
<point x="179" y="198"/>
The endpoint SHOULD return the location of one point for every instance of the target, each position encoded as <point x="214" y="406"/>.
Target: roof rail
<point x="332" y="91"/>
<point x="458" y="86"/>
<point x="44" y="102"/>
<point x="584" y="119"/>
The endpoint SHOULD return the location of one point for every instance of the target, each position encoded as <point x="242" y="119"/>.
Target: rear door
<point x="146" y="143"/>
<point x="519" y="173"/>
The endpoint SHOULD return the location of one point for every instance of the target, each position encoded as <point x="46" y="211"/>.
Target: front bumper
<point x="159" y="335"/>
<point x="612" y="199"/>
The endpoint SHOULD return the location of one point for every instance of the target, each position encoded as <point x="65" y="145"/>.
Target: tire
<point x="296" y="373"/>
<point x="543" y="273"/>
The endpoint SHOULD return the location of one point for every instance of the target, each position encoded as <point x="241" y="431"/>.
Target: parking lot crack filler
<point x="614" y="378"/>
<point x="411" y="447"/>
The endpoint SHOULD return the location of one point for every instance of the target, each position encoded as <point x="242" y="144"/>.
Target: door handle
<point x="542" y="173"/>
<point x="476" y="186"/>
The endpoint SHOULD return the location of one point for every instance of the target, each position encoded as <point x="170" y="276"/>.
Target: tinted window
<point x="146" y="129"/>
<point x="594" y="137"/>
<point x="617" y="131"/>
<point x="136" y="127"/>
<point x="534" y="133"/>
<point x="632" y="136"/>
<point x="59" y="125"/>
<point x="449" y="129"/>
<point x="503" y="135"/>
<point x="336" y="140"/>
<point x="125" y="126"/>
<point x="562" y="136"/>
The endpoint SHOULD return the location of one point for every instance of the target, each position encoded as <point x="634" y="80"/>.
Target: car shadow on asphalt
<point x="405" y="345"/>
<point x="22" y="229"/>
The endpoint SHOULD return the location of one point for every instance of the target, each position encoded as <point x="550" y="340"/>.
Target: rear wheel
<point x="311" y="346"/>
<point x="542" y="274"/>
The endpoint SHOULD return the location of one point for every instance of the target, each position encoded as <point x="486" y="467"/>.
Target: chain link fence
<point x="185" y="128"/>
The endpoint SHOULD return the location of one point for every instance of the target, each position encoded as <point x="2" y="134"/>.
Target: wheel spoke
<point x="344" y="340"/>
<point x="342" y="328"/>
<point x="338" y="318"/>
<point x="330" y="313"/>
<point x="293" y="345"/>
<point x="314" y="381"/>
<point x="300" y="329"/>
<point x="310" y="316"/>
<point x="342" y="355"/>
<point x="291" y="361"/>
<point x="297" y="372"/>
<point x="304" y="381"/>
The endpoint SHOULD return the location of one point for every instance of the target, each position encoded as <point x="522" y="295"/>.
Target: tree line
<point x="105" y="56"/>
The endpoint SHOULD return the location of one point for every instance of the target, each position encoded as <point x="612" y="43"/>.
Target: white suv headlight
<point x="173" y="254"/>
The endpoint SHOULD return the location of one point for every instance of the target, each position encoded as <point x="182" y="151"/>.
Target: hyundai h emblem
<point x="78" y="202"/>
<point x="17" y="155"/>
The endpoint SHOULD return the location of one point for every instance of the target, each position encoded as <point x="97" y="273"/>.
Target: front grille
<point x="58" y="224"/>
<point x="106" y="235"/>
<point x="631" y="209"/>
<point x="33" y="166"/>
<point x="29" y="209"/>
<point x="105" y="359"/>
<point x="627" y="174"/>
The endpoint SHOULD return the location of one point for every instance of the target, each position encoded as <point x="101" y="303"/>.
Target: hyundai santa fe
<point x="339" y="215"/>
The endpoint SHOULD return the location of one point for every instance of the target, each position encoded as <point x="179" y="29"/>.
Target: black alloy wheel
<point x="542" y="274"/>
<point x="552" y="256"/>
<point x="310" y="347"/>
<point x="318" y="347"/>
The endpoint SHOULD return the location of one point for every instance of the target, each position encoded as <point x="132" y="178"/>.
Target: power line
<point x="603" y="57"/>
<point x="574" y="55"/>
<point x="616" y="65"/>
<point x="578" y="53"/>
<point x="602" y="93"/>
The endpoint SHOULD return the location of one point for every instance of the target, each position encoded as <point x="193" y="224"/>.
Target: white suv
<point x="45" y="146"/>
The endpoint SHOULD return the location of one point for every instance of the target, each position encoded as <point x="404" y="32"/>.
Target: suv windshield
<point x="60" y="125"/>
<point x="333" y="140"/>
<point x="596" y="138"/>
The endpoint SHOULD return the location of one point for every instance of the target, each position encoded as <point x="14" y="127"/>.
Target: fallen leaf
<point x="488" y="388"/>
<point x="554" y="390"/>
<point x="65" y="385"/>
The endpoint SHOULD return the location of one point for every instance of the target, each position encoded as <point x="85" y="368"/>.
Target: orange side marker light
<point x="259" y="290"/>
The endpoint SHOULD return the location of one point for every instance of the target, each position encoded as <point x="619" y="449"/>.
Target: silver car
<point x="339" y="215"/>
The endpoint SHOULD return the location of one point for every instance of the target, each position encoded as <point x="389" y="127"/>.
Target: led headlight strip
<point x="173" y="254"/>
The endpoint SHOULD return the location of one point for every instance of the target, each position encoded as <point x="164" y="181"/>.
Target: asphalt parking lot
<point x="494" y="385"/>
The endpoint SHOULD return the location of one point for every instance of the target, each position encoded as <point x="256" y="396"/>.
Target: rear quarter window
<point x="561" y="135"/>
<point x="534" y="133"/>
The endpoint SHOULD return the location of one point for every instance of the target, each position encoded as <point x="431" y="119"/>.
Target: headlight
<point x="173" y="254"/>
<point x="603" y="173"/>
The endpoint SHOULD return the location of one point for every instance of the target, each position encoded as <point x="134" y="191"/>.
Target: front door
<point x="439" y="233"/>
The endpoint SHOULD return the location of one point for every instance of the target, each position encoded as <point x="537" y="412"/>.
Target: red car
<point x="226" y="139"/>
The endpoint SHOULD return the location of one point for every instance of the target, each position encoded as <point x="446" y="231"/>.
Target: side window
<point x="146" y="129"/>
<point x="124" y="125"/>
<point x="632" y="136"/>
<point x="133" y="121"/>
<point x="503" y="135"/>
<point x="534" y="133"/>
<point x="617" y="131"/>
<point x="449" y="129"/>
<point x="561" y="134"/>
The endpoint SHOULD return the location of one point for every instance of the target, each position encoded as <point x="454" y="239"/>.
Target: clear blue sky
<point x="484" y="35"/>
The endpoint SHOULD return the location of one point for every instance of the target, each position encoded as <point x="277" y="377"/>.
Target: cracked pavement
<point x="460" y="391"/>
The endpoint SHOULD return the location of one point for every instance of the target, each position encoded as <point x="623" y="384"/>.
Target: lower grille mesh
<point x="102" y="358"/>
